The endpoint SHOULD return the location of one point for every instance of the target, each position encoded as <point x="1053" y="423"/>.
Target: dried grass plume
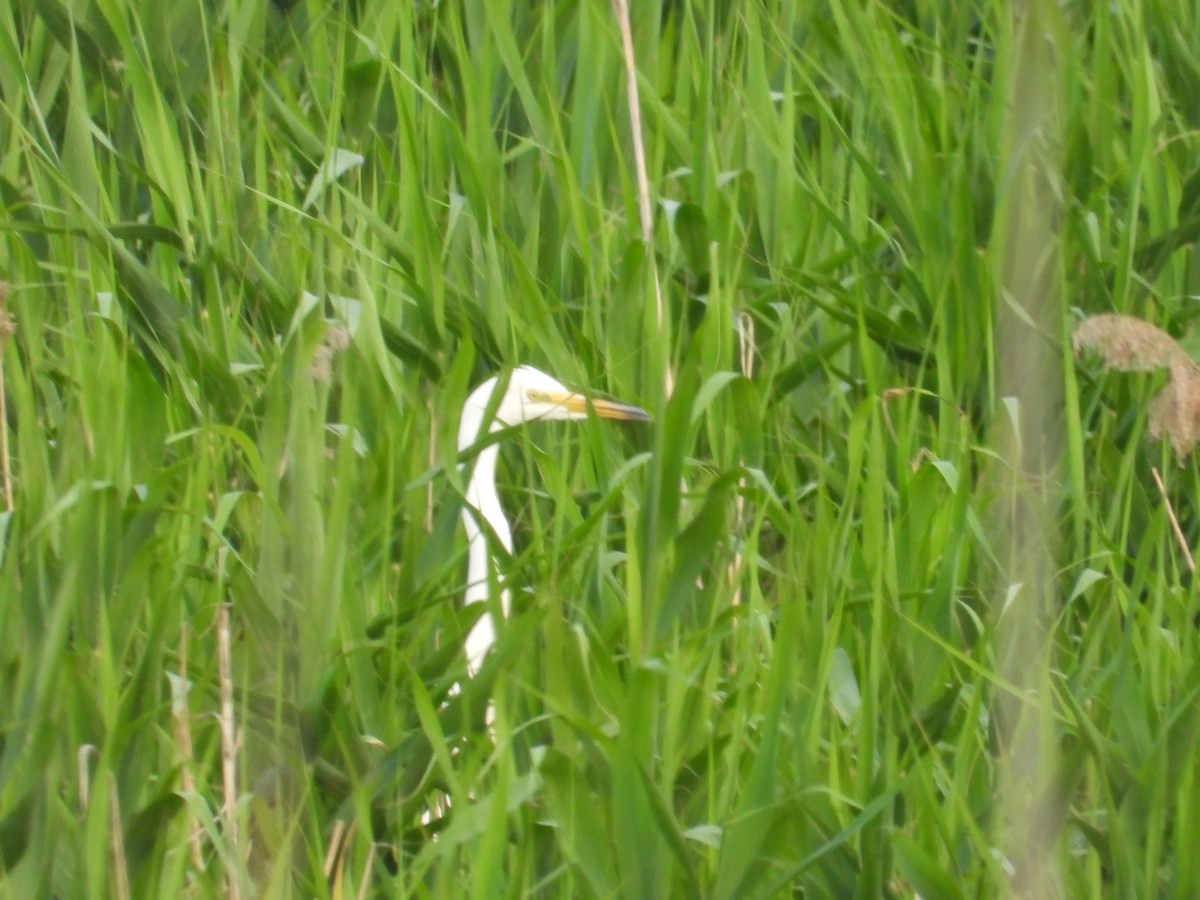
<point x="1129" y="344"/>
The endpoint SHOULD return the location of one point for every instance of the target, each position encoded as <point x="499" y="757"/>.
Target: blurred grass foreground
<point x="894" y="597"/>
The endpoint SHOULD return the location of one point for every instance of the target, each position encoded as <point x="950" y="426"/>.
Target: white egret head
<point x="529" y="395"/>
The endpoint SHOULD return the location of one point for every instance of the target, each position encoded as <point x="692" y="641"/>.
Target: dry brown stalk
<point x="1176" y="530"/>
<point x="1130" y="344"/>
<point x="120" y="862"/>
<point x="183" y="738"/>
<point x="229" y="744"/>
<point x="621" y="9"/>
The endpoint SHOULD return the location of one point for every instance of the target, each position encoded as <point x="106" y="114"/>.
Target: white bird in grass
<point x="529" y="395"/>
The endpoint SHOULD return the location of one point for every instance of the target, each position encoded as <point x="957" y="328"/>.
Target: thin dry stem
<point x="635" y="121"/>
<point x="621" y="8"/>
<point x="1179" y="538"/>
<point x="333" y="851"/>
<point x="745" y="336"/>
<point x="183" y="737"/>
<point x="117" y="841"/>
<point x="229" y="743"/>
<point x="888" y="395"/>
<point x="366" y="874"/>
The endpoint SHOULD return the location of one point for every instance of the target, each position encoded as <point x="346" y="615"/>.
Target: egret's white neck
<point x="482" y="502"/>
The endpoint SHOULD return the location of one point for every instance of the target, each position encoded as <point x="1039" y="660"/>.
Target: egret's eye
<point x="537" y="396"/>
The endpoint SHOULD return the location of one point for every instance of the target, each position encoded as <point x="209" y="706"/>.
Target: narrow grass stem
<point x="229" y="746"/>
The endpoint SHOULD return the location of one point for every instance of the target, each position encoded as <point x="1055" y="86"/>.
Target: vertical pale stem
<point x="117" y="842"/>
<point x="621" y="7"/>
<point x="229" y="743"/>
<point x="180" y="716"/>
<point x="1027" y="434"/>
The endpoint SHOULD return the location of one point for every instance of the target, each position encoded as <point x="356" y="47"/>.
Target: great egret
<point x="528" y="396"/>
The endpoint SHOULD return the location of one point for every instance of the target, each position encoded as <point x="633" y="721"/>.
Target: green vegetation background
<point x="257" y="259"/>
